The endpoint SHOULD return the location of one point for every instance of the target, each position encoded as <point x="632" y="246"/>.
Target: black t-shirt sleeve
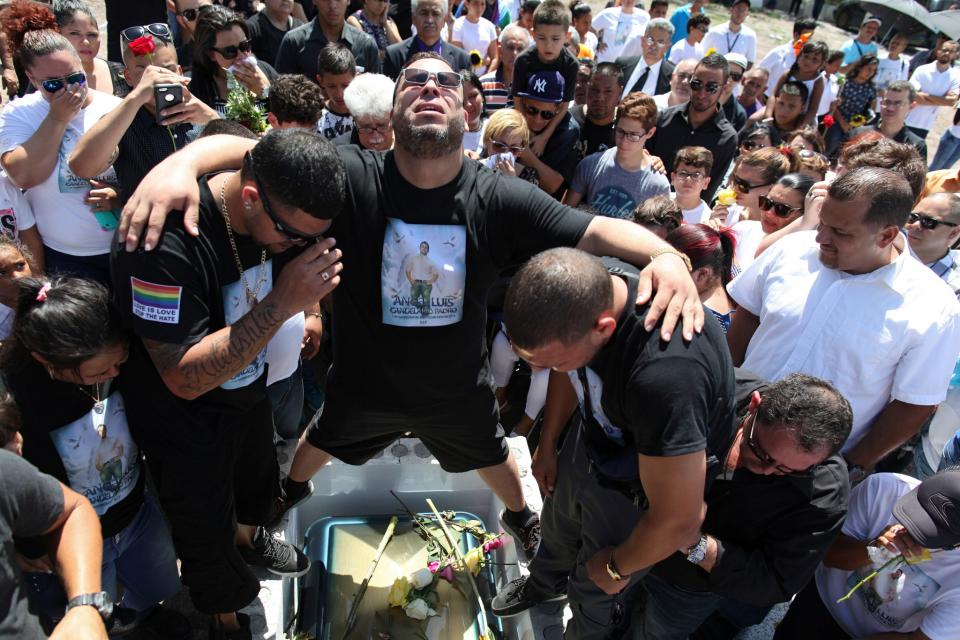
<point x="523" y="221"/>
<point x="30" y="501"/>
<point x="521" y="70"/>
<point x="569" y="68"/>
<point x="161" y="292"/>
<point x="666" y="407"/>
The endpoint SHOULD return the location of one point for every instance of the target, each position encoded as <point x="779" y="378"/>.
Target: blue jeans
<point x="286" y="398"/>
<point x="948" y="152"/>
<point x="140" y="558"/>
<point x="672" y="612"/>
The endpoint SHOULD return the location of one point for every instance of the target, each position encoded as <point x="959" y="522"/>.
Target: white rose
<point x="418" y="610"/>
<point x="421" y="578"/>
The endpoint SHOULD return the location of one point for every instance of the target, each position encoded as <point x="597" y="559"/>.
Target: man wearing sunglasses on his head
<point x="845" y="302"/>
<point x="776" y="500"/>
<point x="700" y="122"/>
<point x="213" y="314"/>
<point x="480" y="222"/>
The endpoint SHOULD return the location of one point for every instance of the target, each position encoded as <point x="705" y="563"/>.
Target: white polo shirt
<point x="725" y="41"/>
<point x="893" y="333"/>
<point x="778" y="62"/>
<point x="936" y="83"/>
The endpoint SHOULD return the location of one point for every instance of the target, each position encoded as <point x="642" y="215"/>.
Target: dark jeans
<point x="90" y="267"/>
<point x="286" y="396"/>
<point x="808" y="618"/>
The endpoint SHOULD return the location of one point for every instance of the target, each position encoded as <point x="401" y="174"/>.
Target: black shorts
<point x="462" y="436"/>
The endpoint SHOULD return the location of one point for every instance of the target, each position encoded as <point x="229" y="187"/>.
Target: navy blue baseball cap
<point x="546" y="86"/>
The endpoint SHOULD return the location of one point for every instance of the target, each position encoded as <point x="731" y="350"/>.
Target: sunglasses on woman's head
<point x="780" y="209"/>
<point x="55" y="84"/>
<point x="420" y="77"/>
<point x="744" y="187"/>
<point x="927" y="222"/>
<point x="157" y="29"/>
<point x="234" y="50"/>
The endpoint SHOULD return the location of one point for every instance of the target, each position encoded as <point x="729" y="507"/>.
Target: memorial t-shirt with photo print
<point x="15" y="212"/>
<point x="411" y="305"/>
<point x="62" y="427"/>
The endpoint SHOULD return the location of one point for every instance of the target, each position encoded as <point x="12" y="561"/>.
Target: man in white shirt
<point x="890" y="516"/>
<point x="937" y="85"/>
<point x="615" y="25"/>
<point x="734" y="36"/>
<point x="679" y="86"/>
<point x="845" y="304"/>
<point x="932" y="228"/>
<point x="648" y="72"/>
<point x="779" y="60"/>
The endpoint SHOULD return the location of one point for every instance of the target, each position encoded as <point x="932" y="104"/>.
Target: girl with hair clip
<point x="15" y="264"/>
<point x="807" y="69"/>
<point x="63" y="365"/>
<point x="711" y="253"/>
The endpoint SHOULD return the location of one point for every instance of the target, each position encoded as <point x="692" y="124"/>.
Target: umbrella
<point x="947" y="22"/>
<point x="906" y="16"/>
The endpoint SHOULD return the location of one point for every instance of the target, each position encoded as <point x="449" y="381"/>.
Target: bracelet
<point x="315" y="314"/>
<point x="671" y="250"/>
<point x="698" y="552"/>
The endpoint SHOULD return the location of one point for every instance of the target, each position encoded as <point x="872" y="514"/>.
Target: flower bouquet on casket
<point x="417" y="608"/>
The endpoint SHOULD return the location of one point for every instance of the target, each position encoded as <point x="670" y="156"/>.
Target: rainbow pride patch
<point x="156" y="302"/>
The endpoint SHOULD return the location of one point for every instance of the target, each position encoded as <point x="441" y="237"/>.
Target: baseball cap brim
<point x="872" y="19"/>
<point x="911" y="514"/>
<point x="538" y="98"/>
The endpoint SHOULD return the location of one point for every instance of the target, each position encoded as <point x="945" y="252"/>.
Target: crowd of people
<point x="723" y="288"/>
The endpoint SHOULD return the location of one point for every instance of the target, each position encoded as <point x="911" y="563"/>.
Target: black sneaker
<point x="217" y="632"/>
<point x="275" y="555"/>
<point x="512" y="599"/>
<point x="290" y="500"/>
<point x="527" y="535"/>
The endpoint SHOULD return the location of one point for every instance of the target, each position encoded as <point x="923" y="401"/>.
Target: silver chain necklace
<point x="262" y="272"/>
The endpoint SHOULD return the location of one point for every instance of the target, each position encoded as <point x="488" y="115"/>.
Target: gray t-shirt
<point x="611" y="190"/>
<point x="30" y="502"/>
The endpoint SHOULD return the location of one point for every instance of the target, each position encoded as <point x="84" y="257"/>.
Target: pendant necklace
<point x="261" y="273"/>
<point x="99" y="408"/>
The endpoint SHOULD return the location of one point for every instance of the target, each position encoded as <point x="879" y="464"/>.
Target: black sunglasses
<point x="188" y="14"/>
<point x="282" y="227"/>
<point x="750" y="145"/>
<point x="927" y="222"/>
<point x="780" y="209"/>
<point x="765" y="457"/>
<point x="234" y="50"/>
<point x="157" y="29"/>
<point x="55" y="84"/>
<point x="744" y="187"/>
<point x="420" y="77"/>
<point x="543" y="113"/>
<point x="710" y="87"/>
<point x="736" y="77"/>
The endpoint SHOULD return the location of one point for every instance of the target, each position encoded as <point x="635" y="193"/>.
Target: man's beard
<point x="428" y="141"/>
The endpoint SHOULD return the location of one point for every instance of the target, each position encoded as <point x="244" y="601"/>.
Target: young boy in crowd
<point x="691" y="175"/>
<point x="692" y="46"/>
<point x="550" y="23"/>
<point x="659" y="215"/>
<point x="615" y="181"/>
<point x="294" y="102"/>
<point x="658" y="9"/>
<point x="336" y="69"/>
<point x="526" y="14"/>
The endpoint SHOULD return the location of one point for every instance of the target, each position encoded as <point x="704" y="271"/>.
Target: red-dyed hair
<point x="706" y="247"/>
<point x="23" y="16"/>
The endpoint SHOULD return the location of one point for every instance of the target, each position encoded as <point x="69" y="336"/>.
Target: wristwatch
<point x="612" y="569"/>
<point x="671" y="250"/>
<point x="698" y="552"/>
<point x="101" y="601"/>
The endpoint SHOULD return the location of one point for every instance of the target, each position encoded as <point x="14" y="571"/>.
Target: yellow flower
<point x="726" y="197"/>
<point x="857" y="121"/>
<point x="399" y="592"/>
<point x="923" y="557"/>
<point x="473" y="559"/>
<point x="709" y="51"/>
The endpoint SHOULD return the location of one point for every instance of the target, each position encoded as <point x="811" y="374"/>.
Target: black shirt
<point x="561" y="154"/>
<point x="59" y="423"/>
<point x="301" y="46"/>
<point x="593" y="137"/>
<point x="265" y="38"/>
<point x="144" y="144"/>
<point x="391" y="352"/>
<point x="904" y="136"/>
<point x="772" y="530"/>
<point x="651" y="397"/>
<point x="735" y="114"/>
<point x="674" y="131"/>
<point x="528" y="63"/>
<point x="185" y="289"/>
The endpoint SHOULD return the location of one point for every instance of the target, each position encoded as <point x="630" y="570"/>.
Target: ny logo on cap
<point x="539" y="85"/>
